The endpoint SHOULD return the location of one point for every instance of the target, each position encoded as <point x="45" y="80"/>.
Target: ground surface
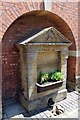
<point x="70" y="105"/>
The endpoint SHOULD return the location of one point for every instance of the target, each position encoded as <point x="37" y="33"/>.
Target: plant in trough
<point x="43" y="77"/>
<point x="57" y="76"/>
<point x="48" y="77"/>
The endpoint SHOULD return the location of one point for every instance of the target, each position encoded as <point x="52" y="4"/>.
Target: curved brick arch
<point x="18" y="9"/>
<point x="10" y="54"/>
<point x="62" y="10"/>
<point x="53" y="17"/>
<point x="15" y="11"/>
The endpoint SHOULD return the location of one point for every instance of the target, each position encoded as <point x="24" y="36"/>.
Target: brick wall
<point x="22" y="28"/>
<point x="72" y="69"/>
<point x="64" y="18"/>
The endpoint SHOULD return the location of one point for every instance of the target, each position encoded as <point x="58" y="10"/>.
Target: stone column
<point x="64" y="57"/>
<point x="24" y="70"/>
<point x="32" y="74"/>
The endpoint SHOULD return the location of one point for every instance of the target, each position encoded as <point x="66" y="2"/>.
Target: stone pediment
<point x="47" y="35"/>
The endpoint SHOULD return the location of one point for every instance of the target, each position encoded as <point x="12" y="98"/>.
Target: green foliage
<point x="57" y="76"/>
<point x="49" y="76"/>
<point x="43" y="77"/>
<point x="52" y="76"/>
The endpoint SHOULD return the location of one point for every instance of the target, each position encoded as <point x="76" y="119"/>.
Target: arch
<point x="15" y="10"/>
<point x="18" y="9"/>
<point x="34" y="21"/>
<point x="60" y="24"/>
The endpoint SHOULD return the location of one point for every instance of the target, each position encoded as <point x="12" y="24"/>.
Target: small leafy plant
<point x="57" y="76"/>
<point x="43" y="77"/>
<point x="52" y="76"/>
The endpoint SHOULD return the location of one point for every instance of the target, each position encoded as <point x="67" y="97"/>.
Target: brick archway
<point x="60" y="20"/>
<point x="22" y="28"/>
<point x="13" y="10"/>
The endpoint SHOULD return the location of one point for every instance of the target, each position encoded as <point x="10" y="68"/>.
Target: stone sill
<point x="48" y="86"/>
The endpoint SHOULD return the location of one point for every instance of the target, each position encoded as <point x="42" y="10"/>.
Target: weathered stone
<point x="46" y="55"/>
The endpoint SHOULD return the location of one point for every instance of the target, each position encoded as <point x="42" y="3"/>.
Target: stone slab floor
<point x="70" y="104"/>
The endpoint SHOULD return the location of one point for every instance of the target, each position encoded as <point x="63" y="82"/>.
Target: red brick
<point x="71" y="69"/>
<point x="64" y="18"/>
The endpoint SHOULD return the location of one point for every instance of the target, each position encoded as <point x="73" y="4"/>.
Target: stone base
<point x="43" y="101"/>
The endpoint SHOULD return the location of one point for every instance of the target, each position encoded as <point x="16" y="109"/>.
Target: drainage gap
<point x="50" y="102"/>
